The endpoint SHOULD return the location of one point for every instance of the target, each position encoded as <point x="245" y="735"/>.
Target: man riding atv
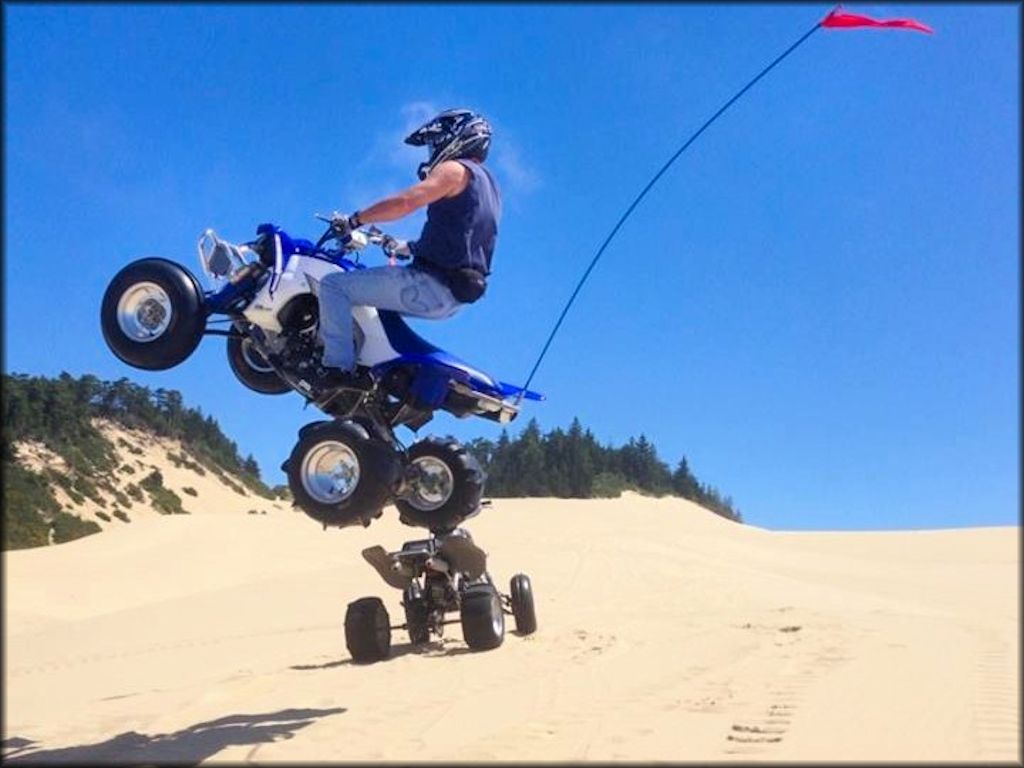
<point x="450" y="261"/>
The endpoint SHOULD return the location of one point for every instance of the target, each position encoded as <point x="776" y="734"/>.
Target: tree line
<point x="59" y="412"/>
<point x="573" y="464"/>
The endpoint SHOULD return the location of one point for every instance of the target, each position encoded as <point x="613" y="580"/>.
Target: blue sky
<point x="818" y="305"/>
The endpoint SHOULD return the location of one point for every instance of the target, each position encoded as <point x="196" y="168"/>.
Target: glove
<point x="395" y="248"/>
<point x="343" y="225"/>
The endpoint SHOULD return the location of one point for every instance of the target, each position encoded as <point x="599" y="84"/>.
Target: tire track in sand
<point x="996" y="712"/>
<point x="803" y="654"/>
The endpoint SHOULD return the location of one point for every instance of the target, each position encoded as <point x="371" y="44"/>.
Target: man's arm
<point x="446" y="180"/>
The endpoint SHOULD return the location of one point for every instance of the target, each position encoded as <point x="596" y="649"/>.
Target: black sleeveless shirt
<point x="460" y="231"/>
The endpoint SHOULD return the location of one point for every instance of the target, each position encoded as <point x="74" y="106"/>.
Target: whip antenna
<point x="645" y="190"/>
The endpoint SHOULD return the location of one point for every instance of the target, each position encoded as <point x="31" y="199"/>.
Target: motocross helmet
<point x="450" y="135"/>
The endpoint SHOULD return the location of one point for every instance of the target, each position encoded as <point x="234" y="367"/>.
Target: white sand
<point x="666" y="633"/>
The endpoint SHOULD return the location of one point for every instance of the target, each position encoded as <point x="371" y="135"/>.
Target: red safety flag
<point x="843" y="20"/>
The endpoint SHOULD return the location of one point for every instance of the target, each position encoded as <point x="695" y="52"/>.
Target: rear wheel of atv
<point x="152" y="314"/>
<point x="340" y="476"/>
<point x="367" y="630"/>
<point x="417" y="615"/>
<point x="252" y="369"/>
<point x="522" y="604"/>
<point x="483" y="622"/>
<point x="446" y="487"/>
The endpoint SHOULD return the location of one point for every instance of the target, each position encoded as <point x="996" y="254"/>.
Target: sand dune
<point x="137" y="454"/>
<point x="666" y="633"/>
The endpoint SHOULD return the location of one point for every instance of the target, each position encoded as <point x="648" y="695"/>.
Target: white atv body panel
<point x="303" y="275"/>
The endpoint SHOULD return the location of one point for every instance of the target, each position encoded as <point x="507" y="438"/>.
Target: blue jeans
<point x="403" y="289"/>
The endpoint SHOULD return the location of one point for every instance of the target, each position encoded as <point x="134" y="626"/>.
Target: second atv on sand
<point x="444" y="574"/>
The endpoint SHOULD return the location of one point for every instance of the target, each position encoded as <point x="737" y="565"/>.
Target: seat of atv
<point x="413" y="346"/>
<point x="407" y="342"/>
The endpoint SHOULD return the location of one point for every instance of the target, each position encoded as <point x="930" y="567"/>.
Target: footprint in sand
<point x="591" y="644"/>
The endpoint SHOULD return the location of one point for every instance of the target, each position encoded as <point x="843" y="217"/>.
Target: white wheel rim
<point x="330" y="472"/>
<point x="253" y="359"/>
<point x="144" y="312"/>
<point x="433" y="485"/>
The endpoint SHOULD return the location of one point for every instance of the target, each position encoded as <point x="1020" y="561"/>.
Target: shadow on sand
<point x="188" y="746"/>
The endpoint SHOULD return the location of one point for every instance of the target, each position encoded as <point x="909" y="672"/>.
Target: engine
<point x="298" y="342"/>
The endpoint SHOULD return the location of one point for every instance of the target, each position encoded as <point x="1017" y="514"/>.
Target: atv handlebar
<point x="358" y="239"/>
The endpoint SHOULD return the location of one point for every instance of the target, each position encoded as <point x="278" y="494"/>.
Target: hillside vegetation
<point x="65" y="468"/>
<point x="572" y="464"/>
<point x="63" y="417"/>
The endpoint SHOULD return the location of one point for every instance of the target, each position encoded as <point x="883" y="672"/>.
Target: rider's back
<point x="460" y="231"/>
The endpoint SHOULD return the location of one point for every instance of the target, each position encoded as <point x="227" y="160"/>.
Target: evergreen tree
<point x="530" y="471"/>
<point x="250" y="466"/>
<point x="684" y="483"/>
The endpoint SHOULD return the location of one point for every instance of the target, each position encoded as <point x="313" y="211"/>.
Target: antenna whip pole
<point x="647" y="189"/>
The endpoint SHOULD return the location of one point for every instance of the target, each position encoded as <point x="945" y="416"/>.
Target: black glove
<point x="395" y="248"/>
<point x="342" y="225"/>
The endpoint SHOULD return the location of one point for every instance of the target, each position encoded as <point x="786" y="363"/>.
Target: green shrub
<point x="128" y="469"/>
<point x="69" y="527"/>
<point x="27" y="503"/>
<point x="190" y="491"/>
<point x="87" y="488"/>
<point x="58" y="478"/>
<point x="90" y="452"/>
<point x="223" y="477"/>
<point x="72" y="486"/>
<point x="183" y="460"/>
<point x="213" y="467"/>
<point x="120" y="515"/>
<point x="608" y="485"/>
<point x="104" y="516"/>
<point x="134" y="491"/>
<point x="153" y="480"/>
<point x="164" y="500"/>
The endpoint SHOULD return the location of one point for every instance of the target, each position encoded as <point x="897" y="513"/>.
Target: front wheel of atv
<point x="367" y="630"/>
<point x="152" y="315"/>
<point x="340" y="476"/>
<point x="445" y="487"/>
<point x="252" y="369"/>
<point x="483" y="621"/>
<point x="522" y="604"/>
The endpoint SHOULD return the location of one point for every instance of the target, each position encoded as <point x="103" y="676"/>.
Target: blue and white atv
<point x="344" y="470"/>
